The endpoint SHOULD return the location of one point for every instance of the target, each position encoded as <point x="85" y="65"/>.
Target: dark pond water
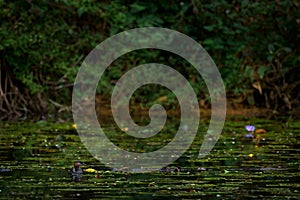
<point x="35" y="159"/>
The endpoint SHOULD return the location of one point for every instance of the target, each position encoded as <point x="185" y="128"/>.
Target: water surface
<point x="35" y="159"/>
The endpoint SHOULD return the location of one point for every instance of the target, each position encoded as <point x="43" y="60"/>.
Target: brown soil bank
<point x="233" y="110"/>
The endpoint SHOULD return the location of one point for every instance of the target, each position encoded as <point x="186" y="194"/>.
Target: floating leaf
<point x="260" y="131"/>
<point x="90" y="170"/>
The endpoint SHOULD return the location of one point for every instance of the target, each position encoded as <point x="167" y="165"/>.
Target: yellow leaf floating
<point x="90" y="170"/>
<point x="74" y="125"/>
<point x="251" y="155"/>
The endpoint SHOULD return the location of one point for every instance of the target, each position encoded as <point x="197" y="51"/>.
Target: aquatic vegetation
<point x="257" y="135"/>
<point x="250" y="128"/>
<point x="32" y="165"/>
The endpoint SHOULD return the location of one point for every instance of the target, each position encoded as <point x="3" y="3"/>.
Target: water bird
<point x="76" y="171"/>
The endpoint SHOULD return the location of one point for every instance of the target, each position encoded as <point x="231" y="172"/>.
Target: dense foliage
<point x="254" y="44"/>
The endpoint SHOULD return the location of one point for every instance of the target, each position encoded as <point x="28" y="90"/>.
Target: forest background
<point x="255" y="45"/>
